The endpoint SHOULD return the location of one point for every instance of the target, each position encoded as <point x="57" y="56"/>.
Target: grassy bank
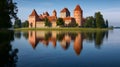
<point x="64" y="29"/>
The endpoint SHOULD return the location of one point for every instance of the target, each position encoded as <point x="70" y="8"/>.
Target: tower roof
<point x="64" y="10"/>
<point x="78" y="8"/>
<point x="34" y="13"/>
<point x="47" y="13"/>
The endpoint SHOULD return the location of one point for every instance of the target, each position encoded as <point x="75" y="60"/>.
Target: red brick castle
<point x="36" y="21"/>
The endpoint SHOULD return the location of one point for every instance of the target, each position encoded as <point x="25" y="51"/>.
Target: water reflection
<point x="17" y="34"/>
<point x="65" y="39"/>
<point x="96" y="37"/>
<point x="78" y="43"/>
<point x="8" y="56"/>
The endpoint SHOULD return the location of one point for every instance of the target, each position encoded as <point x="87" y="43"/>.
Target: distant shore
<point x="66" y="29"/>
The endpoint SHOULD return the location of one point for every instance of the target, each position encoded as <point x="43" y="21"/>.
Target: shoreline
<point x="65" y="29"/>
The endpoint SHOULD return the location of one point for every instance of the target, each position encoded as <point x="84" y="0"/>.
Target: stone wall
<point x="40" y="24"/>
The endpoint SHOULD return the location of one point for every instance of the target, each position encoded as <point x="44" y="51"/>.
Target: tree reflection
<point x="25" y="35"/>
<point x="17" y="34"/>
<point x="99" y="36"/>
<point x="60" y="36"/>
<point x="96" y="36"/>
<point x="8" y="56"/>
<point x="89" y="36"/>
<point x="48" y="35"/>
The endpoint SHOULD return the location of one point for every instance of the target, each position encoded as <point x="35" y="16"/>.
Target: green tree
<point x="60" y="22"/>
<point x="25" y="24"/>
<point x="17" y="23"/>
<point x="73" y="24"/>
<point x="8" y="10"/>
<point x="89" y="22"/>
<point x="100" y="23"/>
<point x="47" y="22"/>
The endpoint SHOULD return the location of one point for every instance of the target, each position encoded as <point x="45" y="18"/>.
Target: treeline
<point x="19" y="24"/>
<point x="95" y="22"/>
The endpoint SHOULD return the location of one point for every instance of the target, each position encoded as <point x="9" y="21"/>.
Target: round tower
<point x="54" y="13"/>
<point x="78" y="15"/>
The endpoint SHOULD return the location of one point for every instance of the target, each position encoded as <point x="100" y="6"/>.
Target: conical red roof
<point x="78" y="8"/>
<point x="34" y="13"/>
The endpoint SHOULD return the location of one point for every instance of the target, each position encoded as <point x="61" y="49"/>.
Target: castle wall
<point x="40" y="24"/>
<point x="63" y="15"/>
<point x="54" y="24"/>
<point x="67" y="22"/>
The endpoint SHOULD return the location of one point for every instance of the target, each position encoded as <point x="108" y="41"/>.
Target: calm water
<point x="60" y="49"/>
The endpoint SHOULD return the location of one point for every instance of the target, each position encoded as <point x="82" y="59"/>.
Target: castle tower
<point x="54" y="13"/>
<point x="78" y="15"/>
<point x="33" y="17"/>
<point x="64" y="13"/>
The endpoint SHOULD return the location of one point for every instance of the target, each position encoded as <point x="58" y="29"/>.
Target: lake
<point x="60" y="48"/>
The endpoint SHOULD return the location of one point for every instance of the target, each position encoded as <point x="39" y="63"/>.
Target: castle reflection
<point x="65" y="39"/>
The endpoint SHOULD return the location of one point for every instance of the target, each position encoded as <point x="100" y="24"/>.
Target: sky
<point x="109" y="8"/>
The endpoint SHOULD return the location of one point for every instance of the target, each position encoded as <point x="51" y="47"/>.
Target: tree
<point x="89" y="22"/>
<point x="100" y="23"/>
<point x="72" y="24"/>
<point x="47" y="22"/>
<point x="106" y="24"/>
<point x="25" y="24"/>
<point x="17" y="23"/>
<point x="60" y="22"/>
<point x="8" y="10"/>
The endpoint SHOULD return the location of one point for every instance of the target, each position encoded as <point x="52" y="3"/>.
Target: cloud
<point x="112" y="13"/>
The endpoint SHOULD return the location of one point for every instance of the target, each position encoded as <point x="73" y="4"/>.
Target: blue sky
<point x="109" y="8"/>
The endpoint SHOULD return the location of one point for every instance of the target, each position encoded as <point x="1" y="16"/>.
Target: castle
<point x="37" y="21"/>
